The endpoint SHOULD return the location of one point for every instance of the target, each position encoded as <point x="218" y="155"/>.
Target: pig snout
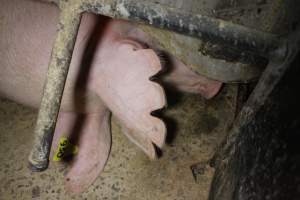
<point x="110" y="73"/>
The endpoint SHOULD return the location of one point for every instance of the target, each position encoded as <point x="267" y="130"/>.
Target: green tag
<point x="65" y="148"/>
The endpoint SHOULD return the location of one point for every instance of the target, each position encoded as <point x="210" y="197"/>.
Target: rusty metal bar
<point x="53" y="89"/>
<point x="267" y="115"/>
<point x="205" y="28"/>
<point x="216" y="31"/>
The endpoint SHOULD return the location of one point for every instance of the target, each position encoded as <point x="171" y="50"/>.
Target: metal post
<point x="53" y="89"/>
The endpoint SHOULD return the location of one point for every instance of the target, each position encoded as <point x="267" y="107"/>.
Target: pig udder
<point x="122" y="81"/>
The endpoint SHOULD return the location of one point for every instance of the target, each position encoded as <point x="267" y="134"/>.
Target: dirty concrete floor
<point x="195" y="127"/>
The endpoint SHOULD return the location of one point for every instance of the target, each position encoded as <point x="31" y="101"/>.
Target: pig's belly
<point x="26" y="40"/>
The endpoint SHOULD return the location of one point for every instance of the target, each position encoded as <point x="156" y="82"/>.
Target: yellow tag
<point x="65" y="148"/>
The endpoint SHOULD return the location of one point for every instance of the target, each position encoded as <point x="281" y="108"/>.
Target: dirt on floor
<point x="195" y="128"/>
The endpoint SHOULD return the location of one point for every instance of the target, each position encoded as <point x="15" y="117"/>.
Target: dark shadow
<point x="173" y="96"/>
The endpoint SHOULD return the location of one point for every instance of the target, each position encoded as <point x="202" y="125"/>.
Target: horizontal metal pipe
<point x="198" y="26"/>
<point x="202" y="27"/>
<point x="205" y="28"/>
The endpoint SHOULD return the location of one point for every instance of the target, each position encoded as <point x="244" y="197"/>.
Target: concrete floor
<point x="129" y="174"/>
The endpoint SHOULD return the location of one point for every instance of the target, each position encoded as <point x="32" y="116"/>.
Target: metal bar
<point x="53" y="89"/>
<point x="205" y="28"/>
<point x="229" y="159"/>
<point x="199" y="26"/>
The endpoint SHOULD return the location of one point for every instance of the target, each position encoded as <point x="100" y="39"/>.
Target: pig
<point x="113" y="70"/>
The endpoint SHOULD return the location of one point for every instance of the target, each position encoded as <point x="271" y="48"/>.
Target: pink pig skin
<point x="110" y="72"/>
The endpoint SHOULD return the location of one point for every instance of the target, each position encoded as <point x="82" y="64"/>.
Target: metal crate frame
<point x="249" y="41"/>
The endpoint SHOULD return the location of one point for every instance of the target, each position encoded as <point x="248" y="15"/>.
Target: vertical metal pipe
<point x="53" y="89"/>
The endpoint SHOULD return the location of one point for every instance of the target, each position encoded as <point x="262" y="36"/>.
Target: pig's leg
<point x="123" y="74"/>
<point x="182" y="78"/>
<point x="122" y="81"/>
<point x="91" y="133"/>
<point x="178" y="75"/>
